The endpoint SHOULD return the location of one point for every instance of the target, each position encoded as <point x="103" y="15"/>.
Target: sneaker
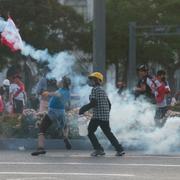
<point x="38" y="152"/>
<point x="120" y="153"/>
<point x="98" y="153"/>
<point x="67" y="144"/>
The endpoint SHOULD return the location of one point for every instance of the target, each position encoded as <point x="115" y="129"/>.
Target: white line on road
<point x="112" y="156"/>
<point x="35" y="178"/>
<point x="89" y="164"/>
<point x="68" y="174"/>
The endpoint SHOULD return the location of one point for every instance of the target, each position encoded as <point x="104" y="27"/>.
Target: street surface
<point x="78" y="165"/>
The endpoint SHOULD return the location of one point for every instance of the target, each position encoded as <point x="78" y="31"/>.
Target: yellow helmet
<point x="97" y="75"/>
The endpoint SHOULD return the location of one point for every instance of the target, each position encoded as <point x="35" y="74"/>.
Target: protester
<point x="145" y="86"/>
<point x="6" y="84"/>
<point x="121" y="86"/>
<point x="1" y="103"/>
<point x="58" y="103"/>
<point x="101" y="106"/>
<point x="41" y="87"/>
<point x="162" y="90"/>
<point x="17" y="94"/>
<point x="33" y="102"/>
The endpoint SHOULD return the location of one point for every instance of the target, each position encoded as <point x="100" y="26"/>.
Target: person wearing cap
<point x="58" y="103"/>
<point x="101" y="106"/>
<point x="145" y="85"/>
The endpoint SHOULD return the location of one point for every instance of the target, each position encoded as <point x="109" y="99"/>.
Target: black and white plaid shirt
<point x="102" y="109"/>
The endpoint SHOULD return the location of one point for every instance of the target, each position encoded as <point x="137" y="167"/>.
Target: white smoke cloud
<point x="3" y="24"/>
<point x="133" y="123"/>
<point x="60" y="64"/>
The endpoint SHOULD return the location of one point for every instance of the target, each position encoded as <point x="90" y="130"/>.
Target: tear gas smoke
<point x="133" y="123"/>
<point x="2" y="24"/>
<point x="60" y="64"/>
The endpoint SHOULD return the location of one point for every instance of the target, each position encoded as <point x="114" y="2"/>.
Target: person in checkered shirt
<point x="101" y="106"/>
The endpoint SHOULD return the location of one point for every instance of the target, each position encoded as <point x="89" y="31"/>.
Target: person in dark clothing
<point x="121" y="87"/>
<point x="145" y="85"/>
<point x="101" y="106"/>
<point x="6" y="84"/>
<point x="33" y="102"/>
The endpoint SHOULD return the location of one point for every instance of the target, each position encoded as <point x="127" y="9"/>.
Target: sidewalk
<point x="28" y="144"/>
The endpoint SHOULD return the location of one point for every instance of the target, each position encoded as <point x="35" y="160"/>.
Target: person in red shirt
<point x="162" y="89"/>
<point x="17" y="94"/>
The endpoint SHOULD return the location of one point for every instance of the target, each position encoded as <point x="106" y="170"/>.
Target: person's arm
<point x="56" y="94"/>
<point x="88" y="106"/>
<point x="109" y="104"/>
<point x="167" y="88"/>
<point x="11" y="95"/>
<point x="41" y="86"/>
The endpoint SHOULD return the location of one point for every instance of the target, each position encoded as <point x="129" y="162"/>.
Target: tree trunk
<point x="171" y="80"/>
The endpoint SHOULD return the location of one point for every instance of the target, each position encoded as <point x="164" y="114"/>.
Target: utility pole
<point x="131" y="75"/>
<point x="99" y="37"/>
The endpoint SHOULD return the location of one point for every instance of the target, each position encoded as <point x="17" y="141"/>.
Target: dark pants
<point x="160" y="116"/>
<point x="104" y="125"/>
<point x="45" y="124"/>
<point x="18" y="106"/>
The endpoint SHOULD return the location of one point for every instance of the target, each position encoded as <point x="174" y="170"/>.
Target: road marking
<point x="112" y="156"/>
<point x="153" y="156"/>
<point x="34" y="178"/>
<point x="89" y="164"/>
<point x="68" y="174"/>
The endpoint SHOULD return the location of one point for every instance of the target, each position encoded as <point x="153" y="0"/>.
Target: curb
<point x="82" y="143"/>
<point x="29" y="144"/>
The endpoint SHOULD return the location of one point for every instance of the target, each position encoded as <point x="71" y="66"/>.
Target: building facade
<point x="83" y="7"/>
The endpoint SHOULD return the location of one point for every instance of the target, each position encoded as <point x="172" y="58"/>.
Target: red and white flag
<point x="10" y="36"/>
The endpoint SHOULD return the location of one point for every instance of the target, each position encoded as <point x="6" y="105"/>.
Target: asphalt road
<point x="78" y="165"/>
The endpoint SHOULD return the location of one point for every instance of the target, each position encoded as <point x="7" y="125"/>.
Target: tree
<point x="47" y="24"/>
<point x="159" y="50"/>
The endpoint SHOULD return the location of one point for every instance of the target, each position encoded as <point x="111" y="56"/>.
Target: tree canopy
<point x="144" y="12"/>
<point x="47" y="24"/>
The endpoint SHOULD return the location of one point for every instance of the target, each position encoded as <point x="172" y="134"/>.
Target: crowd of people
<point x="55" y="101"/>
<point x="155" y="89"/>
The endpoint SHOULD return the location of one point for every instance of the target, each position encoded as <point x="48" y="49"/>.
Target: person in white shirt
<point x="17" y="95"/>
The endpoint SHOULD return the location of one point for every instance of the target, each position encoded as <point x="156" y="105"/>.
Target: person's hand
<point x="45" y="93"/>
<point x="81" y="111"/>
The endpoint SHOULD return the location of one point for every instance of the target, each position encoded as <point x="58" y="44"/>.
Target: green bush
<point x="16" y="126"/>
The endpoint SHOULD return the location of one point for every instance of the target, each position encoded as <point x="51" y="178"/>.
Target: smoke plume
<point x="133" y="123"/>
